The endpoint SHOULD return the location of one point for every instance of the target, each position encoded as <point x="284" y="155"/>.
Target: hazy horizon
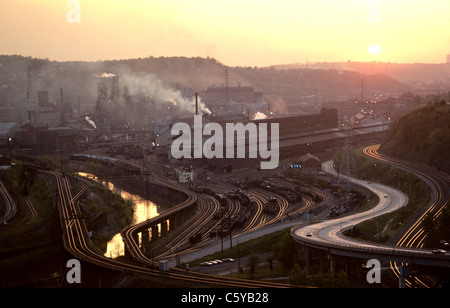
<point x="235" y="33"/>
<point x="225" y="64"/>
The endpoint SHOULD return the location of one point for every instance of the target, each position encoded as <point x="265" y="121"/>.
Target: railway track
<point x="415" y="235"/>
<point x="77" y="242"/>
<point x="11" y="208"/>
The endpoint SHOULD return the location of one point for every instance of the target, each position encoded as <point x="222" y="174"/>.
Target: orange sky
<point x="236" y="33"/>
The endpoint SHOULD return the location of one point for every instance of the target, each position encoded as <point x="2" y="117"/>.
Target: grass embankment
<point x="118" y="210"/>
<point x="29" y="244"/>
<point x="383" y="228"/>
<point x="273" y="257"/>
<point x="259" y="245"/>
<point x="20" y="187"/>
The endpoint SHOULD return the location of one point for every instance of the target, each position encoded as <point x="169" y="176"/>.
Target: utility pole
<point x="239" y="256"/>
<point x="347" y="164"/>
<point x="227" y="88"/>
<point x="229" y="226"/>
<point x="347" y="160"/>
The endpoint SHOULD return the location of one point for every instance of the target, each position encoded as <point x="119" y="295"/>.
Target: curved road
<point x="328" y="234"/>
<point x="331" y="230"/>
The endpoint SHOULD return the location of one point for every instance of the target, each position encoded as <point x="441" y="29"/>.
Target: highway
<point x="330" y="231"/>
<point x="328" y="234"/>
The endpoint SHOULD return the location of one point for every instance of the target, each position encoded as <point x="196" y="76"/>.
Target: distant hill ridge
<point x="198" y="73"/>
<point x="411" y="73"/>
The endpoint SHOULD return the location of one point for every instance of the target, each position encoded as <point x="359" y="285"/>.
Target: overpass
<point x="328" y="236"/>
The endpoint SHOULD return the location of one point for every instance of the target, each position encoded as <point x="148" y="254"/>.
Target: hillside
<point x="415" y="74"/>
<point x="183" y="74"/>
<point x="422" y="135"/>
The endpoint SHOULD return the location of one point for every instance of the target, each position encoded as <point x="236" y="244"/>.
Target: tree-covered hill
<point x="78" y="78"/>
<point x="422" y="135"/>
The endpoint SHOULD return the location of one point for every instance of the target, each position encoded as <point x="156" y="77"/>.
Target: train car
<point x="196" y="238"/>
<point x="222" y="199"/>
<point x="271" y="207"/>
<point x="79" y="157"/>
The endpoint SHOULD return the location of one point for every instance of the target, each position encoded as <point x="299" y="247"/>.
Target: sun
<point x="374" y="50"/>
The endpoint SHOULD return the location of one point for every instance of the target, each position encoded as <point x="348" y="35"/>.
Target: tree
<point x="299" y="277"/>
<point x="252" y="263"/>
<point x="284" y="251"/>
<point x="341" y="280"/>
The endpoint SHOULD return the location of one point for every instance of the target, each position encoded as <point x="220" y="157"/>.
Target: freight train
<point x="108" y="162"/>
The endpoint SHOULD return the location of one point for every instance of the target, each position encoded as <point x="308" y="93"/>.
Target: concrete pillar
<point x="145" y="238"/>
<point x="323" y="262"/>
<point x="347" y="267"/>
<point x="173" y="223"/>
<point x="164" y="229"/>
<point x="136" y="238"/>
<point x="155" y="233"/>
<point x="358" y="269"/>
<point x="307" y="258"/>
<point x="401" y="282"/>
<point x="180" y="219"/>
<point x="405" y="271"/>
<point x="126" y="250"/>
<point x="332" y="261"/>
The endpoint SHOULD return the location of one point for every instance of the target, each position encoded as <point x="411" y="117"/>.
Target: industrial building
<point x="223" y="95"/>
<point x="7" y="132"/>
<point x="299" y="135"/>
<point x="327" y="118"/>
<point x="42" y="111"/>
<point x="309" y="161"/>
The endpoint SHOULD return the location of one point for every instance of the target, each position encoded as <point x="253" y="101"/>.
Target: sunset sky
<point x="236" y="33"/>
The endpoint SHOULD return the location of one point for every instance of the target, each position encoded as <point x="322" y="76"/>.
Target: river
<point x="143" y="209"/>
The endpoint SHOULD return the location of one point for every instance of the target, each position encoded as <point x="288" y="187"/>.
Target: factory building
<point x="309" y="161"/>
<point x="326" y="119"/>
<point x="7" y="132"/>
<point x="293" y="130"/>
<point x="10" y="114"/>
<point x="41" y="111"/>
<point x="240" y="99"/>
<point x="215" y="95"/>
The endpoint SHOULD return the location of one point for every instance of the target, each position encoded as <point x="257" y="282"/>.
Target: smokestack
<point x="362" y="90"/>
<point x="61" y="103"/>
<point x="196" y="103"/>
<point x="28" y="82"/>
<point x="43" y="98"/>
<point x="227" y="88"/>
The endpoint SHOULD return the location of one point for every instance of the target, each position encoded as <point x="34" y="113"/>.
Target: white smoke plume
<point x="91" y="122"/>
<point x="150" y="85"/>
<point x="259" y="116"/>
<point x="105" y="75"/>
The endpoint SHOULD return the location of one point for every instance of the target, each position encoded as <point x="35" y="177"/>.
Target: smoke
<point x="259" y="116"/>
<point x="79" y="82"/>
<point x="163" y="95"/>
<point x="91" y="122"/>
<point x="105" y="75"/>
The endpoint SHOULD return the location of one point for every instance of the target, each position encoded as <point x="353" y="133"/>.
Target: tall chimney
<point x="61" y="107"/>
<point x="196" y="103"/>
<point x="362" y="90"/>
